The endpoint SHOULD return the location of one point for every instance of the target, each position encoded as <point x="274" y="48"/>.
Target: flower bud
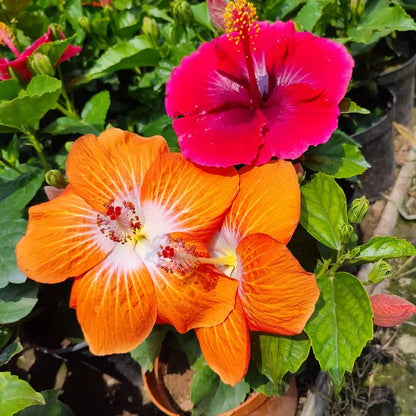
<point x="40" y="64"/>
<point x="358" y="209"/>
<point x="55" y="178"/>
<point x="84" y="22"/>
<point x="300" y="172"/>
<point x="150" y="28"/>
<point x="182" y="11"/>
<point x="68" y="146"/>
<point x="380" y="271"/>
<point x="346" y="231"/>
<point x="391" y="310"/>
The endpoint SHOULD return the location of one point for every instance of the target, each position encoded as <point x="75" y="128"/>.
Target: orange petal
<point x="190" y="294"/>
<point x="268" y="202"/>
<point x="62" y="239"/>
<point x="115" y="303"/>
<point x="178" y="196"/>
<point x="277" y="295"/>
<point x="226" y="347"/>
<point x="112" y="165"/>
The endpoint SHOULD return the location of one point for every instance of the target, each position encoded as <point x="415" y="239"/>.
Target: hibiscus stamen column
<point x="241" y="25"/>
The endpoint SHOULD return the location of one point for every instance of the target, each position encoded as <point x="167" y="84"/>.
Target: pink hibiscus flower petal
<point x="69" y="52"/>
<point x="19" y="65"/>
<point x="297" y="117"/>
<point x="209" y="78"/>
<point x="221" y="139"/>
<point x="45" y="38"/>
<point x="319" y="62"/>
<point x="4" y="74"/>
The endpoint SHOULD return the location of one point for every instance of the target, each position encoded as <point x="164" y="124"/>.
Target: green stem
<point x="71" y="111"/>
<point x="324" y="268"/>
<point x="65" y="111"/>
<point x="9" y="165"/>
<point x="38" y="147"/>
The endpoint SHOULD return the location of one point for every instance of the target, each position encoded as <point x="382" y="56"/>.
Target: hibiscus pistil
<point x="241" y="26"/>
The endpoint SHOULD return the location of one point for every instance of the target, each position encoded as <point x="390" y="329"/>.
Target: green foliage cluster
<point x="128" y="53"/>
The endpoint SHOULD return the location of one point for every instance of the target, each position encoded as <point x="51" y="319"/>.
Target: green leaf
<point x="16" y="394"/>
<point x="382" y="248"/>
<point x="341" y="324"/>
<point x="12" y="229"/>
<point x="278" y="9"/>
<point x="5" y="335"/>
<point x="146" y="353"/>
<point x="201" y="15"/>
<point x="17" y="192"/>
<point x="30" y="105"/>
<point x="347" y="106"/>
<point x="55" y="49"/>
<point x="340" y="157"/>
<point x="311" y="12"/>
<point x="380" y="18"/>
<point x="324" y="210"/>
<point x="92" y="121"/>
<point x="52" y="407"/>
<point x="276" y="355"/>
<point x="211" y="397"/>
<point x="17" y="301"/>
<point x="162" y="126"/>
<point x="261" y="384"/>
<point x="70" y="125"/>
<point x="10" y="351"/>
<point x="95" y="110"/>
<point x="137" y="52"/>
<point x="9" y="89"/>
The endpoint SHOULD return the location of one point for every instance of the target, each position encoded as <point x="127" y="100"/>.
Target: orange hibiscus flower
<point x="275" y="294"/>
<point x="131" y="227"/>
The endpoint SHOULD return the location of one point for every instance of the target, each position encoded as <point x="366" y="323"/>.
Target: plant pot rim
<point x="384" y="78"/>
<point x="384" y="121"/>
<point x="160" y="396"/>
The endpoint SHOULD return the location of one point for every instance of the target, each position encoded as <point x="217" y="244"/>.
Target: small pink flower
<point x="20" y="65"/>
<point x="391" y="310"/>
<point x="216" y="10"/>
<point x="262" y="90"/>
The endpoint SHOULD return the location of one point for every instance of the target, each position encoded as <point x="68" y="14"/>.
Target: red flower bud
<point x="391" y="310"/>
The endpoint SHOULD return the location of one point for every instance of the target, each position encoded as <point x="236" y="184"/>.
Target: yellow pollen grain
<point x="240" y="20"/>
<point x="5" y="33"/>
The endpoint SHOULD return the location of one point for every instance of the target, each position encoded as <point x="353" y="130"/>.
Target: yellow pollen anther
<point x="240" y="20"/>
<point x="5" y="34"/>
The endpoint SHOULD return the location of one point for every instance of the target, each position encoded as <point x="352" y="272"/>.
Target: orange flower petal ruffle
<point x="277" y="294"/>
<point x="191" y="199"/>
<point x="268" y="202"/>
<point x="112" y="165"/>
<point x="226" y="347"/>
<point x="115" y="303"/>
<point x="62" y="239"/>
<point x="199" y="297"/>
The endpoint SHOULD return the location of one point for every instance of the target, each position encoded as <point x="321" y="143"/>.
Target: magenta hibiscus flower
<point x="20" y="65"/>
<point x="260" y="91"/>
